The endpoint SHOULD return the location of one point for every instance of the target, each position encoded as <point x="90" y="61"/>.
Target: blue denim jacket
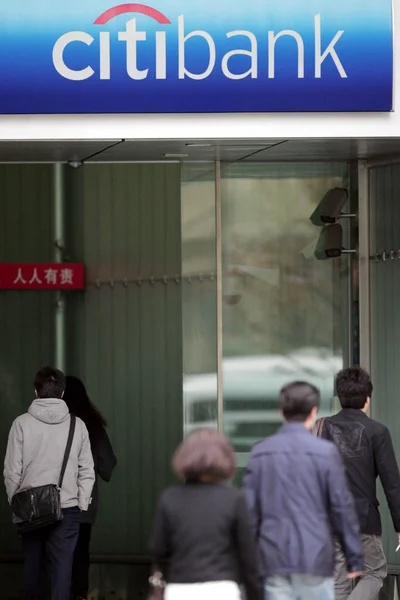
<point x="299" y="499"/>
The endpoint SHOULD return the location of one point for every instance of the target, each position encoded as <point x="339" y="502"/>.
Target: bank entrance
<point x="203" y="296"/>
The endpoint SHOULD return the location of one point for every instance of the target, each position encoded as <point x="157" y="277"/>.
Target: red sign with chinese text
<point x="42" y="276"/>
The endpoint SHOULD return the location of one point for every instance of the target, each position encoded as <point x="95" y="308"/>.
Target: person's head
<point x="80" y="405"/>
<point x="205" y="455"/>
<point x="49" y="383"/>
<point x="354" y="388"/>
<point x="299" y="402"/>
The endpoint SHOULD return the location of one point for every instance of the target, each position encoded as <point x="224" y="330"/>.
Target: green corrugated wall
<point x="385" y="317"/>
<point x="26" y="318"/>
<point x="125" y="342"/>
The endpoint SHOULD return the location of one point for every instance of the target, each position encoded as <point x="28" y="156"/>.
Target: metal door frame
<point x="363" y="265"/>
<point x="364" y="254"/>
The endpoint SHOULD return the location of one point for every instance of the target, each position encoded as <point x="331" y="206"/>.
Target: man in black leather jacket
<point x="367" y="451"/>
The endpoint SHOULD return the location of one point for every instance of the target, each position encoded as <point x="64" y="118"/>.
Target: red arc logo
<point x="132" y="8"/>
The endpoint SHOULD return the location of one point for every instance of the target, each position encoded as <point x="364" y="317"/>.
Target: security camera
<point x="330" y="207"/>
<point x="329" y="243"/>
<point x="75" y="164"/>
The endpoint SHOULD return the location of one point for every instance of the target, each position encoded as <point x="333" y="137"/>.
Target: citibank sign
<point x="191" y="56"/>
<point x="133" y="37"/>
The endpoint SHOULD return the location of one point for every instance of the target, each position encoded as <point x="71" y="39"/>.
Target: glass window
<point x="283" y="310"/>
<point x="199" y="296"/>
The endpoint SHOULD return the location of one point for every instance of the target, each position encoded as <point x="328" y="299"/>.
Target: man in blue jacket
<point x="299" y="499"/>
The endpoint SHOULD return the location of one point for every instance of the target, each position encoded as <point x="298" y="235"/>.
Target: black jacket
<point x="367" y="451"/>
<point x="203" y="530"/>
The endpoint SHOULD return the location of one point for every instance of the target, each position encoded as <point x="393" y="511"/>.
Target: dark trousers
<point x="80" y="571"/>
<point x="59" y="541"/>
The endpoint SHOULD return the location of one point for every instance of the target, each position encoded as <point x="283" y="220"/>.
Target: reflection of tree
<point x="266" y="224"/>
<point x="299" y="310"/>
<point x="199" y="327"/>
<point x="275" y="299"/>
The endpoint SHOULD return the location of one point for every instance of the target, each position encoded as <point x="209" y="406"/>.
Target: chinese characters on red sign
<point x="40" y="276"/>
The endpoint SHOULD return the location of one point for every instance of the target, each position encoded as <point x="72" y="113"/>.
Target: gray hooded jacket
<point x="35" y="451"/>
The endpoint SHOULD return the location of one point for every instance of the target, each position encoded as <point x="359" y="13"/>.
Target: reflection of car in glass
<point x="251" y="387"/>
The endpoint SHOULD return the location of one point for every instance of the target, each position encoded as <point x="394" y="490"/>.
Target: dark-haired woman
<point x="79" y="404"/>
<point x="202" y="527"/>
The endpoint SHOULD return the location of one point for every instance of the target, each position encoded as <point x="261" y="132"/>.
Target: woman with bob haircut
<point x="202" y="527"/>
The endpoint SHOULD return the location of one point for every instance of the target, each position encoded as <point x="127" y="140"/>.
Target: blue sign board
<point x="170" y="56"/>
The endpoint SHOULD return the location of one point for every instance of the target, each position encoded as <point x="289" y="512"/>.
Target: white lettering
<point x="253" y="71"/>
<point x="182" y="39"/>
<point x="272" y="39"/>
<point x="105" y="52"/>
<point x="19" y="278"/>
<point x="131" y="36"/>
<point x="50" y="276"/>
<point x="330" y="50"/>
<point x="35" y="278"/>
<point x="161" y="55"/>
<point x="58" y="55"/>
<point x="67" y="277"/>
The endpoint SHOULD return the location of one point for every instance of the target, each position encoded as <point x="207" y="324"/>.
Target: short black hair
<point x="297" y="400"/>
<point x="353" y="386"/>
<point x="49" y="383"/>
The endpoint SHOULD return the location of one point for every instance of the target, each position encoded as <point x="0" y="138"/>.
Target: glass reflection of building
<point x="284" y="313"/>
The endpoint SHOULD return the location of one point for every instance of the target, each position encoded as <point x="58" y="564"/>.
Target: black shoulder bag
<point x="41" y="506"/>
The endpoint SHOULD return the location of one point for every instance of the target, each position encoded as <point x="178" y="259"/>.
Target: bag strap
<point x="319" y="425"/>
<point x="67" y="450"/>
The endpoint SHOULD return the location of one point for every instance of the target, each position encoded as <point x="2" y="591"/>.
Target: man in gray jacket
<point x="34" y="456"/>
